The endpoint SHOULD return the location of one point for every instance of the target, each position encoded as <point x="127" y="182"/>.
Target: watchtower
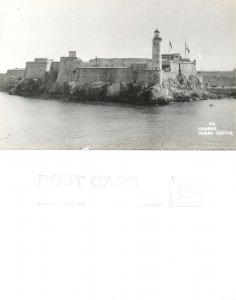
<point x="156" y="51"/>
<point x="72" y="53"/>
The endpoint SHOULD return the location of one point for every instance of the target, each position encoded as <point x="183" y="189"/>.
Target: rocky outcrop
<point x="28" y="87"/>
<point x="180" y="89"/>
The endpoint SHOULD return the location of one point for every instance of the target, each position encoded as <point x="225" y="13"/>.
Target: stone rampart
<point x="35" y="69"/>
<point x="55" y="65"/>
<point x="67" y="69"/>
<point x="52" y="76"/>
<point x="165" y="74"/>
<point x="187" y="69"/>
<point x="118" y="62"/>
<point x="148" y="77"/>
<point x="88" y="75"/>
<point x="116" y="75"/>
<point x="14" y="74"/>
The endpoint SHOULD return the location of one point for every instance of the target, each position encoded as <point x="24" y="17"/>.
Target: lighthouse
<point x="156" y="51"/>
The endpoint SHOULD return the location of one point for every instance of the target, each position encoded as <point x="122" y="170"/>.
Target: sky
<point x="117" y="28"/>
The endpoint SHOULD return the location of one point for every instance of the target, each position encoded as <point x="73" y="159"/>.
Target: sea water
<point x="28" y="123"/>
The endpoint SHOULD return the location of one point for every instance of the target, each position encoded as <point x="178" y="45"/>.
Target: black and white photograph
<point x="117" y="75"/>
<point x="117" y="149"/>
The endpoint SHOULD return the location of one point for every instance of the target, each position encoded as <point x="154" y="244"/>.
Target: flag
<point x="170" y="45"/>
<point x="187" y="48"/>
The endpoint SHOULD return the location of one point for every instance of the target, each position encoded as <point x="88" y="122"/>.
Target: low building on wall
<point x="118" y="62"/>
<point x="36" y="69"/>
<point x="174" y="65"/>
<point x="171" y="57"/>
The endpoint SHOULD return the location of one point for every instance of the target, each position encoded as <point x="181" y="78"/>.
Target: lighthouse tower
<point x="156" y="51"/>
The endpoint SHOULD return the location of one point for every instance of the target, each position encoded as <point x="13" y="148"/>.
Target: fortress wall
<point x="71" y="69"/>
<point x="130" y="61"/>
<point x="47" y="60"/>
<point x="53" y="72"/>
<point x="35" y="69"/>
<point x="123" y="75"/>
<point x="174" y="67"/>
<point x="166" y="75"/>
<point x="85" y="64"/>
<point x="149" y="64"/>
<point x="187" y="69"/>
<point x="117" y="62"/>
<point x="15" y="74"/>
<point x="112" y="75"/>
<point x="55" y="65"/>
<point x="148" y="77"/>
<point x="84" y="75"/>
<point x="139" y="67"/>
<point x="66" y="69"/>
<point x="117" y="75"/>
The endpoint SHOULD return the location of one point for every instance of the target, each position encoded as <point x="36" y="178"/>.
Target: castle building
<point x="142" y="71"/>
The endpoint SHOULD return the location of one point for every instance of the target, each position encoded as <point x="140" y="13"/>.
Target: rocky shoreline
<point x="171" y="91"/>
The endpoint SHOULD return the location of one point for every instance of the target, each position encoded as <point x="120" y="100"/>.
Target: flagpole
<point x="169" y="50"/>
<point x="185" y="48"/>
